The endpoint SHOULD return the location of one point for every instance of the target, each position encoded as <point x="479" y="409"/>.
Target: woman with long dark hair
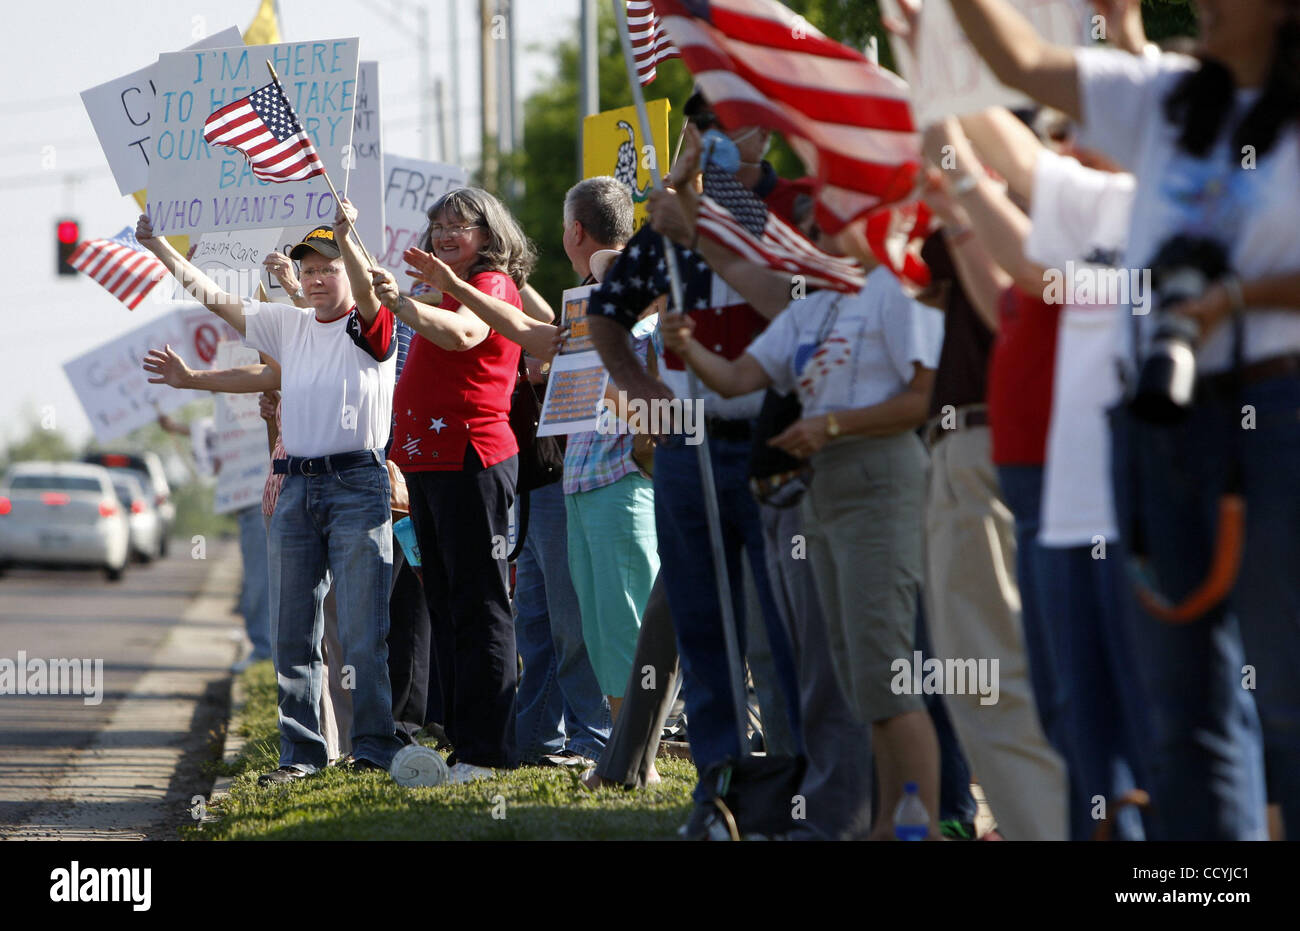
<point x="1212" y="422"/>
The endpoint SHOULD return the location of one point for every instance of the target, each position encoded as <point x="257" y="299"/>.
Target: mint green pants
<point x="613" y="561"/>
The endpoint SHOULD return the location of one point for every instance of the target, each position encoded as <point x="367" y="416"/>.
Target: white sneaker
<point x="468" y="772"/>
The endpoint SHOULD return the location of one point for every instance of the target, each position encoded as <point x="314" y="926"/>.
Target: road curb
<point x="233" y="748"/>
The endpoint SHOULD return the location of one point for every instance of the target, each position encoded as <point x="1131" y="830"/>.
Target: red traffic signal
<point x="67" y="234"/>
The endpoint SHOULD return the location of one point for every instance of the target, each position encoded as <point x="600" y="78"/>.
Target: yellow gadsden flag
<point x="265" y="28"/>
<point x="612" y="145"/>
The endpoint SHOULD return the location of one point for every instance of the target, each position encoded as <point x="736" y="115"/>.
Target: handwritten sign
<point x="234" y="259"/>
<point x="364" y="184"/>
<point x="573" y="394"/>
<point x="194" y="188"/>
<point x="122" y="111"/>
<point x="411" y="187"/>
<point x="948" y="76"/>
<point x="241" y="438"/>
<point x="113" y="387"/>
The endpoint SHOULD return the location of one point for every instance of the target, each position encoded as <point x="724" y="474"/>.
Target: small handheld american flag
<point x="265" y="130"/>
<point x="121" y="265"/>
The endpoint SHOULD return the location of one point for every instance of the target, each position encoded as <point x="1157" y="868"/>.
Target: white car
<point x="148" y="468"/>
<point x="141" y="515"/>
<point x="63" y="513"/>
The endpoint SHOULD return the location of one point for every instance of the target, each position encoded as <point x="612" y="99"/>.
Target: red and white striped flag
<point x="649" y="44"/>
<point x="849" y="120"/>
<point x="121" y="265"/>
<point x="264" y="129"/>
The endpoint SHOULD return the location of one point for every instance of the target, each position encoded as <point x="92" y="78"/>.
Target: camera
<point x="1183" y="268"/>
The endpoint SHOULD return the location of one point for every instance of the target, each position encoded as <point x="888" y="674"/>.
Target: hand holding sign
<point x="281" y="266"/>
<point x="144" y="230"/>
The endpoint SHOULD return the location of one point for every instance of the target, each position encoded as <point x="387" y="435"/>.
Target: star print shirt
<point x="448" y="401"/>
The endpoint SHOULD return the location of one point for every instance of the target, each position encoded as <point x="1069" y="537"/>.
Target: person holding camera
<point x="1206" y="445"/>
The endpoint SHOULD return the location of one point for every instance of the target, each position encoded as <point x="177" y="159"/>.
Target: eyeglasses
<point x="438" y="230"/>
<point x="327" y="272"/>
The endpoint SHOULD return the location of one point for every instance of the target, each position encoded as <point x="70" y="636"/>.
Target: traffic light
<point x="68" y="233"/>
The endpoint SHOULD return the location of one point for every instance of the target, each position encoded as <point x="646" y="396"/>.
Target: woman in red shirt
<point x="452" y="440"/>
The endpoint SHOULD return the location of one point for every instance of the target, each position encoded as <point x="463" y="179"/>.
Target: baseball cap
<point x="321" y="239"/>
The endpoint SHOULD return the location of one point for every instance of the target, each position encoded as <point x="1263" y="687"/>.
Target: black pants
<point x="410" y="649"/>
<point x="461" y="523"/>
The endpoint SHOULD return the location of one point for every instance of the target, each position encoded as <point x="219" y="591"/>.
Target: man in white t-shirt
<point x="337" y="360"/>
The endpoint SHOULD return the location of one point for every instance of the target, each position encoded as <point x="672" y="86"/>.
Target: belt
<point x="1264" y="369"/>
<point x="320" y="465"/>
<point x="741" y="431"/>
<point x="973" y="415"/>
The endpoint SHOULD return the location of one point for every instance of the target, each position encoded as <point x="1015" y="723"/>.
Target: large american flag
<point x="264" y="128"/>
<point x="736" y="217"/>
<point x="121" y="265"/>
<point x="848" y="119"/>
<point x="649" y="44"/>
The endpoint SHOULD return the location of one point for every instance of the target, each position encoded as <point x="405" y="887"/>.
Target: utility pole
<point x="588" y="75"/>
<point x="454" y="115"/>
<point x="426" y="84"/>
<point x="439" y="90"/>
<point x="491" y="131"/>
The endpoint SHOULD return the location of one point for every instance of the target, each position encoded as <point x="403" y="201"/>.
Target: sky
<point x="59" y="48"/>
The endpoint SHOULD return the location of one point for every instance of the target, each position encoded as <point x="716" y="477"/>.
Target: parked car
<point x="63" y="513"/>
<point x="148" y="468"/>
<point x="142" y="516"/>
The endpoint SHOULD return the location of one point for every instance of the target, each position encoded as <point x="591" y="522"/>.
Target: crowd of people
<point x="990" y="531"/>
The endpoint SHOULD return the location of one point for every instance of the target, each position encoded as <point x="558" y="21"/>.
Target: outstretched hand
<point x="430" y="269"/>
<point x="167" y="367"/>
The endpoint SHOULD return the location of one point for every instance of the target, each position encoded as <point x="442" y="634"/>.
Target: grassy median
<point x="530" y="803"/>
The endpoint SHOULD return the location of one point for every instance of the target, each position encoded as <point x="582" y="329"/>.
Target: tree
<point x="39" y="444"/>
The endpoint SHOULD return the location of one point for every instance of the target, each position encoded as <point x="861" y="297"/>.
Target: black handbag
<point x="541" y="458"/>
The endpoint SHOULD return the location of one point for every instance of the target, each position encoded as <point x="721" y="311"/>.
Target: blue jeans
<point x="338" y="522"/>
<point x="558" y="694"/>
<point x="255" y="604"/>
<point x="1209" y="748"/>
<point x="686" y="561"/>
<point x="1078" y="635"/>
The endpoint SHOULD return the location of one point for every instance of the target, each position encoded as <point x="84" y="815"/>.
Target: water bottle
<point x="911" y="820"/>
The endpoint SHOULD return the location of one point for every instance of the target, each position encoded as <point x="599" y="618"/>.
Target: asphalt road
<point x="127" y="766"/>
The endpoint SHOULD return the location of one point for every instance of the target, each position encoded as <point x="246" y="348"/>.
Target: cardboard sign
<point x="573" y="394"/>
<point x="234" y="260"/>
<point x="612" y="145"/>
<point x="948" y="76"/>
<point x="412" y="186"/>
<point x="122" y="111"/>
<point x="196" y="189"/>
<point x="112" y="385"/>
<point x="364" y="184"/>
<point x="241" y="438"/>
<point x="573" y="315"/>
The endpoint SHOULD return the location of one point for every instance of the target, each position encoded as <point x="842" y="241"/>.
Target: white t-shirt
<point x="867" y="355"/>
<point x="336" y="397"/>
<point x="1252" y="211"/>
<point x="1080" y="223"/>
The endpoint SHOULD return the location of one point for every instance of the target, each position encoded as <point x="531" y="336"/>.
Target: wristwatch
<point x="299" y="294"/>
<point x="832" y="425"/>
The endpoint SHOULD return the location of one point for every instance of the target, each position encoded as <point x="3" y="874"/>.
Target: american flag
<point x="649" y="44"/>
<point x="734" y="216"/>
<point x="121" y="265"/>
<point x="848" y="119"/>
<point x="263" y="127"/>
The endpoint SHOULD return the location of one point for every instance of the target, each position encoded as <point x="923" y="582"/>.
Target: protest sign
<point x="113" y="387"/>
<point x="612" y="145"/>
<point x="234" y="260"/>
<point x="947" y="76"/>
<point x="364" y="184"/>
<point x="241" y="438"/>
<point x="122" y="111"/>
<point x="194" y="188"/>
<point x="578" y="379"/>
<point x="573" y="315"/>
<point x="411" y="187"/>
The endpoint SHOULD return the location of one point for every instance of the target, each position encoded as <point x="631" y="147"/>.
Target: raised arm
<point x="1007" y="146"/>
<point x="1019" y="56"/>
<point x="453" y="330"/>
<point x="168" y="368"/>
<point x="729" y="378"/>
<point x="281" y="266"/>
<point x="202" y="288"/>
<point x="363" y="289"/>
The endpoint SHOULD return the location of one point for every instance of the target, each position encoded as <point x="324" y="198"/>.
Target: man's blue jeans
<point x="558" y="692"/>
<point x="1209" y="749"/>
<point x="686" y="562"/>
<point x="338" y="521"/>
<point x="256" y="605"/>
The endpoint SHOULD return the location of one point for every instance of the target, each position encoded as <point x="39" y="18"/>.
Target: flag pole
<point x="370" y="262"/>
<point x="712" y="515"/>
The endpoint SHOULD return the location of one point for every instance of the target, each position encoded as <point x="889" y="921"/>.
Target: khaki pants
<point x="973" y="609"/>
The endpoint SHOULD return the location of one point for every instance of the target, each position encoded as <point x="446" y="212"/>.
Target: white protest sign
<point x="573" y="394"/>
<point x="241" y="438"/>
<point x="411" y="187"/>
<point x="194" y="188"/>
<point x="121" y="111"/>
<point x="947" y="76"/>
<point x="234" y="259"/>
<point x="112" y="385"/>
<point x="364" y="185"/>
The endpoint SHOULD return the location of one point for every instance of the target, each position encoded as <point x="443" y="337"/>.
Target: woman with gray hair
<point x="453" y="441"/>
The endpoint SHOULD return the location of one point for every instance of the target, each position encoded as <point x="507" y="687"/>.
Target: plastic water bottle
<point x="911" y="820"/>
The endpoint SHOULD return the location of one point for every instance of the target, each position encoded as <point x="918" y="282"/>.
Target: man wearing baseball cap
<point x="337" y="358"/>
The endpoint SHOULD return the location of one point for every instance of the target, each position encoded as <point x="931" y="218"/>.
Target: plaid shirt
<point x="593" y="459"/>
